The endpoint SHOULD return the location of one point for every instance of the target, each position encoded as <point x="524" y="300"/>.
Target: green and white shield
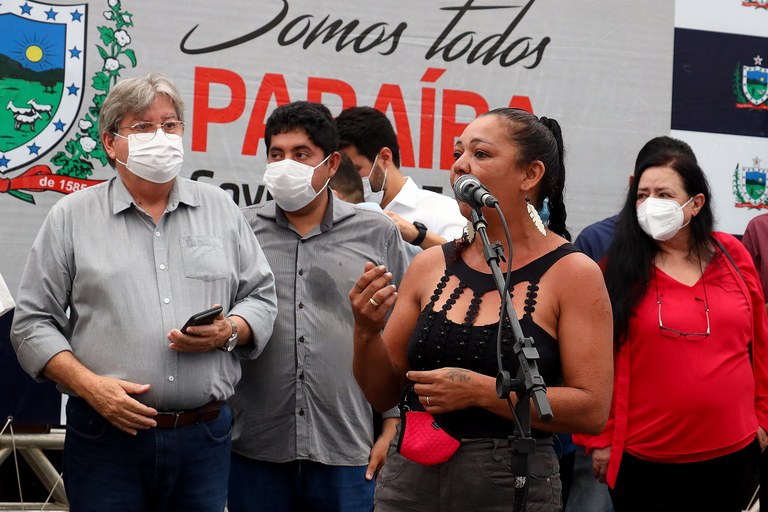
<point x="42" y="72"/>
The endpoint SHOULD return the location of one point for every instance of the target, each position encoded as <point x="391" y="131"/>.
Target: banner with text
<point x="603" y="69"/>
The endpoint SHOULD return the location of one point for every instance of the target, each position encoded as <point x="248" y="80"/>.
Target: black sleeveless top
<point x="437" y="342"/>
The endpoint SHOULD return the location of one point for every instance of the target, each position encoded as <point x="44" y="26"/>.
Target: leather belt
<point x="204" y="414"/>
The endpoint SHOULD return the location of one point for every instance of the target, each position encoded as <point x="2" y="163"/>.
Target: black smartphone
<point x="202" y="318"/>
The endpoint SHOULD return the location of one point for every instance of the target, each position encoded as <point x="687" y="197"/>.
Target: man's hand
<point x="111" y="398"/>
<point x="201" y="338"/>
<point x="380" y="447"/>
<point x="108" y="396"/>
<point x="409" y="232"/>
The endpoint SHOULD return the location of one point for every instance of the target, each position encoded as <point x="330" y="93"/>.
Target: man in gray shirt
<point x="115" y="271"/>
<point x="303" y="429"/>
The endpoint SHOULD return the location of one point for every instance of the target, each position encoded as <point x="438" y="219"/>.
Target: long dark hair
<point x="628" y="260"/>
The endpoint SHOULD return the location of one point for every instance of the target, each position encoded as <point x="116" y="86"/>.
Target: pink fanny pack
<point x="422" y="439"/>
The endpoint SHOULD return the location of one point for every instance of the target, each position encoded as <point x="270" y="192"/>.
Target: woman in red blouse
<point x="690" y="399"/>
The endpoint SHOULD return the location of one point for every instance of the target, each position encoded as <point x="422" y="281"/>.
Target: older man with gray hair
<point x="115" y="271"/>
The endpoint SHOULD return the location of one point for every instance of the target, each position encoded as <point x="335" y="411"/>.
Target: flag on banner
<point x="719" y="83"/>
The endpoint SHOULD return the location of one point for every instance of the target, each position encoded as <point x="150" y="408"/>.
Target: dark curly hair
<point x="314" y="118"/>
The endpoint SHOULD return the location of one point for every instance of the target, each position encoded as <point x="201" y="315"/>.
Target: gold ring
<point x="373" y="302"/>
<point x="428" y="404"/>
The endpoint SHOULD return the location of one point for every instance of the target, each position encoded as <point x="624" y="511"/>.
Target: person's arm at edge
<point x="744" y="261"/>
<point x="585" y="334"/>
<point x="255" y="307"/>
<point x="386" y="353"/>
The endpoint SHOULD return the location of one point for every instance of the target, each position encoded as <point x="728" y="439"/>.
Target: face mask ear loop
<point x="326" y="181"/>
<point x="321" y="163"/>
<point x="373" y="166"/>
<point x="384" y="183"/>
<point x="682" y="207"/>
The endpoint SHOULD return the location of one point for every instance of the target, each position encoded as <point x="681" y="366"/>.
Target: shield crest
<point x="755" y="179"/>
<point x="42" y="72"/>
<point x="754" y="84"/>
<point x="750" y="185"/>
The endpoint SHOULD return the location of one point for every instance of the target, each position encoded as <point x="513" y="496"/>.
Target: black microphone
<point x="468" y="189"/>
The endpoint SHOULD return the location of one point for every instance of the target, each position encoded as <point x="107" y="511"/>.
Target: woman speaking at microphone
<point x="441" y="334"/>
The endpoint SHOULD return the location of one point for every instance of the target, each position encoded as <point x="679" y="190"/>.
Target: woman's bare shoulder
<point x="577" y="269"/>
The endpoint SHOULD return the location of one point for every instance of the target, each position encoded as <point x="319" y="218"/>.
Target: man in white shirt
<point x="425" y="218"/>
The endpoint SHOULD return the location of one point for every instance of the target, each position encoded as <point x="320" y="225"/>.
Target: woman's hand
<point x="371" y="297"/>
<point x="600" y="458"/>
<point x="447" y="389"/>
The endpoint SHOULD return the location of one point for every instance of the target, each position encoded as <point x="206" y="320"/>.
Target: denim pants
<point x="182" y="469"/>
<point x="586" y="494"/>
<point x="300" y="486"/>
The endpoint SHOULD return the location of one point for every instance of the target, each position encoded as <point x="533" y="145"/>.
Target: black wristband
<point x="422" y="233"/>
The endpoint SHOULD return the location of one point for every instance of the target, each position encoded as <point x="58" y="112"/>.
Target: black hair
<point x="540" y="139"/>
<point x="314" y="118"/>
<point x="347" y="181"/>
<point x="629" y="259"/>
<point x="663" y="143"/>
<point x="368" y="130"/>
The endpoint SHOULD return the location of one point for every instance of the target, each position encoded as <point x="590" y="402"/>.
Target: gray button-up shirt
<point x="299" y="399"/>
<point x="105" y="282"/>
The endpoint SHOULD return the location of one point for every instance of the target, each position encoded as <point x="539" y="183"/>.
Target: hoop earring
<point x="535" y="216"/>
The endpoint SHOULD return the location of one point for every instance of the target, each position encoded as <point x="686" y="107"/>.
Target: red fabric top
<point x="691" y="400"/>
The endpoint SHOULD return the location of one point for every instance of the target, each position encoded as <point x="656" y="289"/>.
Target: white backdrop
<point x="602" y="68"/>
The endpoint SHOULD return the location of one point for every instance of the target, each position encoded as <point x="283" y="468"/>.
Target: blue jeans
<point x="183" y="469"/>
<point x="587" y="494"/>
<point x="299" y="485"/>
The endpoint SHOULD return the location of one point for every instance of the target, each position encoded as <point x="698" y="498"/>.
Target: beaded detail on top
<point x="466" y="345"/>
<point x="438" y="342"/>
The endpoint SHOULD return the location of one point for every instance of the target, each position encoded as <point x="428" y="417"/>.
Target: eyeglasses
<point x="146" y="131"/>
<point x="674" y="333"/>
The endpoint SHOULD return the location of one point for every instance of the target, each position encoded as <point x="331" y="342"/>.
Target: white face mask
<point x="368" y="194"/>
<point x="290" y="183"/>
<point x="661" y="219"/>
<point x="157" y="160"/>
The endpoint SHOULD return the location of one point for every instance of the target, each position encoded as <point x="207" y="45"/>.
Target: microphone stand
<point x="528" y="383"/>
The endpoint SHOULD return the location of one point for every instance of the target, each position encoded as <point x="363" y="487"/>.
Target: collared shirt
<point x="439" y="213"/>
<point x="103" y="281"/>
<point x="299" y="399"/>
